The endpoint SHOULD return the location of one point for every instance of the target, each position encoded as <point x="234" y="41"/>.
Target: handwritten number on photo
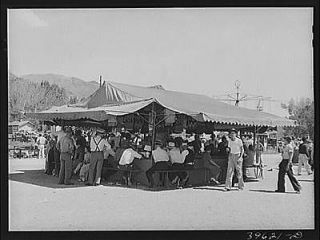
<point x="272" y="235"/>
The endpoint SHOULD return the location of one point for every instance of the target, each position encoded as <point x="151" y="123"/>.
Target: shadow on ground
<point x="39" y="178"/>
<point x="270" y="191"/>
<point x="251" y="179"/>
<point x="210" y="188"/>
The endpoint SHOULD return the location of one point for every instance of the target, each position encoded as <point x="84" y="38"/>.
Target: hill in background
<point x="73" y="86"/>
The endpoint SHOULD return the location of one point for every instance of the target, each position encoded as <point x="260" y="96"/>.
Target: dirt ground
<point x="37" y="202"/>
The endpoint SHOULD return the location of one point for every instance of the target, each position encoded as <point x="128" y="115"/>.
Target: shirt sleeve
<point x="111" y="152"/>
<point x="135" y="154"/>
<point x="290" y="148"/>
<point x="107" y="145"/>
<point x="184" y="154"/>
<point x="71" y="145"/>
<point x="58" y="145"/>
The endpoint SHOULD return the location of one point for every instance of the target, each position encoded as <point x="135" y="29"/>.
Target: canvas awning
<point x="200" y="107"/>
<point x="115" y="99"/>
<point x="101" y="113"/>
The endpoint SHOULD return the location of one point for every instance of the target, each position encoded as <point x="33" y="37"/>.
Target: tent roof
<point x="114" y="99"/>
<point x="103" y="112"/>
<point x="201" y="107"/>
<point x="20" y="123"/>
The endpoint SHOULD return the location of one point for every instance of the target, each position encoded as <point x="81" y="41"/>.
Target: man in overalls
<point x="97" y="145"/>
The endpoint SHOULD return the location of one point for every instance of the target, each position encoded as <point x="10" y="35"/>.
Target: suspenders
<point x="97" y="145"/>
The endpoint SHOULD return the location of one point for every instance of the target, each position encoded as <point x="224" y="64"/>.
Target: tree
<point x="302" y="111"/>
<point x="25" y="95"/>
<point x="73" y="100"/>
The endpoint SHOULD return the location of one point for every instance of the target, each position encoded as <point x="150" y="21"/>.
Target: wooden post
<point x="254" y="137"/>
<point x="153" y="127"/>
<point x="153" y="131"/>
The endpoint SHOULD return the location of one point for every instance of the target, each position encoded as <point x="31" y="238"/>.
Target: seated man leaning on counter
<point x="161" y="159"/>
<point x="126" y="161"/>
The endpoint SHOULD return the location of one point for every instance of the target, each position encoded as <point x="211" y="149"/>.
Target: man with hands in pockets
<point x="235" y="160"/>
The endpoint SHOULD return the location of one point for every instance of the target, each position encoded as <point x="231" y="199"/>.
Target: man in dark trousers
<point x="304" y="157"/>
<point x="161" y="159"/>
<point x="285" y="167"/>
<point x="97" y="145"/>
<point x="66" y="147"/>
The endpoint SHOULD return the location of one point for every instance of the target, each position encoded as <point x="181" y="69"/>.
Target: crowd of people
<point x="84" y="154"/>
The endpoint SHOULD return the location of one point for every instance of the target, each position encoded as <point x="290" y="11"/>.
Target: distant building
<point x="17" y="126"/>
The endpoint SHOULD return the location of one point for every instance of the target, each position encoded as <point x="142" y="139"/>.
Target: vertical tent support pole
<point x="254" y="136"/>
<point x="153" y="119"/>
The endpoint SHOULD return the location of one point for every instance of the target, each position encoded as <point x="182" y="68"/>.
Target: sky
<point x="196" y="50"/>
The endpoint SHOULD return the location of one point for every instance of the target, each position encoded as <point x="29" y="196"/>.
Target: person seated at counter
<point x="222" y="146"/>
<point x="126" y="162"/>
<point x="177" y="160"/>
<point x="161" y="159"/>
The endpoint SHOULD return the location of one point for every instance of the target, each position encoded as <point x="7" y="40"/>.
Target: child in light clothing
<point x="84" y="171"/>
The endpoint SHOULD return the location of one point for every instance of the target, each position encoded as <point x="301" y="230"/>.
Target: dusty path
<point x="38" y="203"/>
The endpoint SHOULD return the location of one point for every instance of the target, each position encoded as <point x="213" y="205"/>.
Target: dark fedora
<point x="233" y="130"/>
<point x="158" y="143"/>
<point x="100" y="131"/>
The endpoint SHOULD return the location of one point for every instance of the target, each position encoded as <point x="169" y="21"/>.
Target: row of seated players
<point x="181" y="156"/>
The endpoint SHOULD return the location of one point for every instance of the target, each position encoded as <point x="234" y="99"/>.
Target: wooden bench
<point x="167" y="171"/>
<point x="130" y="171"/>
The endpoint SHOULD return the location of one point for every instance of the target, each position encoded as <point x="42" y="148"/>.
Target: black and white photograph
<point x="182" y="118"/>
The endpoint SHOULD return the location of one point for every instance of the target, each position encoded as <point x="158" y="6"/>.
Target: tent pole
<point x="254" y="136"/>
<point x="153" y="120"/>
<point x="153" y="127"/>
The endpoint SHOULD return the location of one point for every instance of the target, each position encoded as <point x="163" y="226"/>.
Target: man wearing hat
<point x="235" y="149"/>
<point x="97" y="145"/>
<point x="66" y="147"/>
<point x="161" y="159"/>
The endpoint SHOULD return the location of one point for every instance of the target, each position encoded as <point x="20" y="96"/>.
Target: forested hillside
<point x="26" y="96"/>
<point x="73" y="86"/>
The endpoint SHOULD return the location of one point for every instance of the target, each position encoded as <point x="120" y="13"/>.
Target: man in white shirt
<point x="161" y="159"/>
<point x="41" y="141"/>
<point x="97" y="145"/>
<point x="235" y="148"/>
<point x="126" y="162"/>
<point x="177" y="160"/>
<point x="128" y="156"/>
